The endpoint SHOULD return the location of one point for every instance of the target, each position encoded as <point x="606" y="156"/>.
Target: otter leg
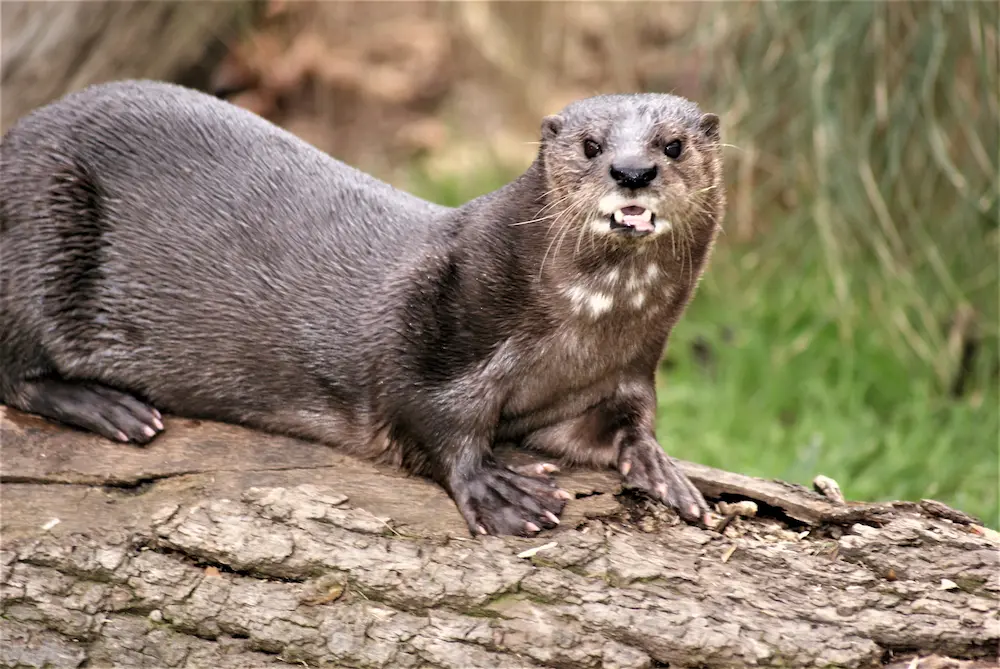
<point x="629" y="416"/>
<point x="91" y="406"/>
<point x="453" y="445"/>
<point x="618" y="432"/>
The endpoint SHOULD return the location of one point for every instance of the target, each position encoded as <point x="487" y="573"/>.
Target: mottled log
<point x="217" y="546"/>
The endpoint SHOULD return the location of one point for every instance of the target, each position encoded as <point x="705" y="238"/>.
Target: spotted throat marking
<point x="595" y="302"/>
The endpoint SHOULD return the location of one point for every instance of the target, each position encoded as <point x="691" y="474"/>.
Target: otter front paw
<point x="644" y="465"/>
<point x="498" y="500"/>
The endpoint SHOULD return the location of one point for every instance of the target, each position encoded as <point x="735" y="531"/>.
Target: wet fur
<point x="167" y="244"/>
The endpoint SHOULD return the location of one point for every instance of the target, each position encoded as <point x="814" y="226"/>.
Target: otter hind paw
<point x="94" y="407"/>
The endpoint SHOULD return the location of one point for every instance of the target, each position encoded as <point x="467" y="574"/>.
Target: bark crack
<point x="138" y="484"/>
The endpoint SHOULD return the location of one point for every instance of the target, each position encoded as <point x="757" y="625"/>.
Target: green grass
<point x="865" y="206"/>
<point x="784" y="393"/>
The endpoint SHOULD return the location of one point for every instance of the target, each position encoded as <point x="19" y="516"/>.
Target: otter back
<point x="157" y="238"/>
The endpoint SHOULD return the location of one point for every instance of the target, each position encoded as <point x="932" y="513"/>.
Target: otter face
<point x="633" y="167"/>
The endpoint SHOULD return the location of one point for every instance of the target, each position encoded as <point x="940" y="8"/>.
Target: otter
<point x="162" y="250"/>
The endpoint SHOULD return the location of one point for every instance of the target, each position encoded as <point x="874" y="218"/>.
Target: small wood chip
<point x="729" y="553"/>
<point x="212" y="571"/>
<point x="989" y="534"/>
<point x="746" y="508"/>
<point x="829" y="488"/>
<point x="947" y="584"/>
<point x="52" y="523"/>
<point x="532" y="551"/>
<point x="331" y="595"/>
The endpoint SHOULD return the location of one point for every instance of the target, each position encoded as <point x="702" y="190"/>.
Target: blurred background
<point x="848" y="324"/>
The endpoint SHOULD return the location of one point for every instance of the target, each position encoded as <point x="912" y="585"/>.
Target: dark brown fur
<point x="163" y="245"/>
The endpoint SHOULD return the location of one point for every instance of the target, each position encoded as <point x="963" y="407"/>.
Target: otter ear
<point x="709" y="126"/>
<point x="551" y="125"/>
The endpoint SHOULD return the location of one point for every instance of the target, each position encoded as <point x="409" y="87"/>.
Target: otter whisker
<point x="559" y="223"/>
<point x="556" y="202"/>
<point x="533" y="220"/>
<point x="556" y="223"/>
<point x="579" y="237"/>
<point x="576" y="208"/>
<point x="584" y="226"/>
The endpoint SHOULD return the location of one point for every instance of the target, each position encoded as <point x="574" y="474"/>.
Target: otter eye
<point x="591" y="149"/>
<point x="673" y="149"/>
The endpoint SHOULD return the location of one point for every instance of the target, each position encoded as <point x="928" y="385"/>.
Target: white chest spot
<point x="592" y="302"/>
<point x="639" y="299"/>
<point x="638" y="279"/>
<point x="599" y="303"/>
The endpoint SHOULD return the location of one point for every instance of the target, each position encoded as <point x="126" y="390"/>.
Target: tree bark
<point x="217" y="546"/>
<point x="52" y="48"/>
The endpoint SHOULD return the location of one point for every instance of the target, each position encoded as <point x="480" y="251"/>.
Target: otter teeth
<point x="635" y="217"/>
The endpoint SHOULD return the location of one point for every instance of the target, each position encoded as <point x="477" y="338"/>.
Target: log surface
<point x="217" y="546"/>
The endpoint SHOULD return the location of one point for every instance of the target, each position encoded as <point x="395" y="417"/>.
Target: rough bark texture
<point x="52" y="48"/>
<point x="221" y="547"/>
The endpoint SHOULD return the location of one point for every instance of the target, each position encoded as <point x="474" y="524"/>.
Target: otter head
<point x="632" y="167"/>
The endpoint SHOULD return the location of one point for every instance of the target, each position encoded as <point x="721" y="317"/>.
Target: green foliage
<point x="866" y="137"/>
<point x="759" y="379"/>
<point x="876" y="127"/>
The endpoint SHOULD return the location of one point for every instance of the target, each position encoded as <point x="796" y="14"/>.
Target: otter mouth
<point x="634" y="221"/>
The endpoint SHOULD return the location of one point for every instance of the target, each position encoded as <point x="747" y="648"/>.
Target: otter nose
<point x="631" y="176"/>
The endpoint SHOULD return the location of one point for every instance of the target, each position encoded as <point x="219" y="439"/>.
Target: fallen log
<point x="218" y="546"/>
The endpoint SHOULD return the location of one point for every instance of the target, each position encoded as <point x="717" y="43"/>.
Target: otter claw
<point x="499" y="500"/>
<point x="644" y="465"/>
<point x="538" y="469"/>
